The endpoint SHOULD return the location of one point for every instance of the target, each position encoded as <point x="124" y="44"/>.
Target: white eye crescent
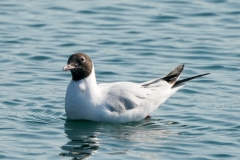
<point x="83" y="59"/>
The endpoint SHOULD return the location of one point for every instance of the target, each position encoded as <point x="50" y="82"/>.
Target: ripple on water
<point x="83" y="140"/>
<point x="39" y="58"/>
<point x="128" y="41"/>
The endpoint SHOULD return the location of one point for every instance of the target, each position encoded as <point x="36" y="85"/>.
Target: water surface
<point x="128" y="41"/>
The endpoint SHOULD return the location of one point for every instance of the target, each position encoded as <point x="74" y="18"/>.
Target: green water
<point x="127" y="41"/>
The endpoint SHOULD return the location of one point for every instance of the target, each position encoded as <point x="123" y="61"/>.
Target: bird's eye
<point x="83" y="59"/>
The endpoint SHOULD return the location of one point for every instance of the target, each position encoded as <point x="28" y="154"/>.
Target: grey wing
<point x="123" y="96"/>
<point x="138" y="100"/>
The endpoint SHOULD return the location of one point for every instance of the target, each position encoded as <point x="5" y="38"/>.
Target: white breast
<point x="82" y="98"/>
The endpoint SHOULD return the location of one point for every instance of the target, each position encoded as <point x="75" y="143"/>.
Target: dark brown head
<point x="80" y="66"/>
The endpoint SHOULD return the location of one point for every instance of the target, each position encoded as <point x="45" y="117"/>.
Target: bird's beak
<point x="68" y="67"/>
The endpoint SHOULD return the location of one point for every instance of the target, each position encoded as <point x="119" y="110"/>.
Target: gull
<point x="117" y="102"/>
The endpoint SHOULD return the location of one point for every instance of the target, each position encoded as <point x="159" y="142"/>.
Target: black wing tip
<point x="172" y="77"/>
<point x="205" y="74"/>
<point x="188" y="79"/>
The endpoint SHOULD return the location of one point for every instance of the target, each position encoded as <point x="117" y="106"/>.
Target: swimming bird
<point x="117" y="102"/>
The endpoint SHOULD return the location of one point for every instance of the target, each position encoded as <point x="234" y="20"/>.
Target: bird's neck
<point x="88" y="85"/>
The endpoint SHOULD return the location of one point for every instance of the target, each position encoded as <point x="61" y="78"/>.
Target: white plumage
<point x="115" y="102"/>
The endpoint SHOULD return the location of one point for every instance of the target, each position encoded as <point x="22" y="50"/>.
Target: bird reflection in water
<point x="83" y="139"/>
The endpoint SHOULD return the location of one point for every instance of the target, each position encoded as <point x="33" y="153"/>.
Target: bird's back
<point x="126" y="101"/>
